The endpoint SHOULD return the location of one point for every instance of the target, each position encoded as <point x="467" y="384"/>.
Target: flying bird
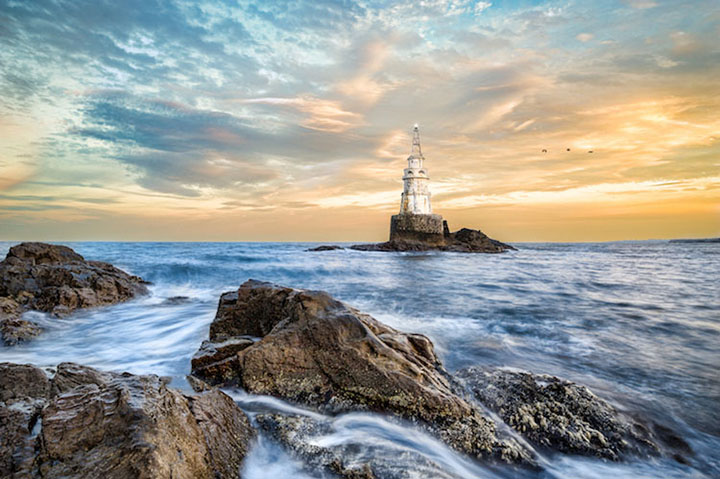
<point x="544" y="150"/>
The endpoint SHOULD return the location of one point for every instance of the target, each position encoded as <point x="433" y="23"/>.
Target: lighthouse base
<point x="426" y="229"/>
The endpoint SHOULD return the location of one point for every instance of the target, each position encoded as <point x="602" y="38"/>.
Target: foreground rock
<point x="315" y="350"/>
<point x="463" y="241"/>
<point x="57" y="280"/>
<point x="87" y="423"/>
<point x="558" y="414"/>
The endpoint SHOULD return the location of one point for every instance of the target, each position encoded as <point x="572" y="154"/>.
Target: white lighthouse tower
<point x="416" y="221"/>
<point x="416" y="190"/>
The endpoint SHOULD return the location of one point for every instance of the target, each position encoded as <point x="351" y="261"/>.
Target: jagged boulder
<point x="557" y="414"/>
<point x="88" y="423"/>
<point x="57" y="280"/>
<point x="13" y="328"/>
<point x="315" y="350"/>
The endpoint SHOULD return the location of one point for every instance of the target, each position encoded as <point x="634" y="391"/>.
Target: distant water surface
<point x="638" y="322"/>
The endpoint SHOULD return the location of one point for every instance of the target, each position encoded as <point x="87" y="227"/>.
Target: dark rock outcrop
<point x="557" y="414"/>
<point x="325" y="248"/>
<point x="463" y="241"/>
<point x="57" y="280"/>
<point x="176" y="300"/>
<point x="315" y="350"/>
<point x="469" y="240"/>
<point x="87" y="423"/>
<point x="696" y="240"/>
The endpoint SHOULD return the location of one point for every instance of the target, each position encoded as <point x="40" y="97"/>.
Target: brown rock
<point x="56" y="279"/>
<point x="99" y="424"/>
<point x="318" y="351"/>
<point x="226" y="430"/>
<point x="14" y="329"/>
<point x="24" y="390"/>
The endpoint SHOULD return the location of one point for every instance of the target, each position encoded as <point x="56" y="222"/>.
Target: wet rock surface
<point x="57" y="280"/>
<point x="322" y="444"/>
<point x="88" y="423"/>
<point x="13" y="328"/>
<point x="24" y="390"/>
<point x="296" y="434"/>
<point x="317" y="351"/>
<point x="176" y="300"/>
<point x="557" y="414"/>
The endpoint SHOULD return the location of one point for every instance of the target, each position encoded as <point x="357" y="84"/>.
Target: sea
<point x="636" y="322"/>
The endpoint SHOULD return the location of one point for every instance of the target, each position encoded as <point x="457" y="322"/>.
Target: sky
<point x="291" y="120"/>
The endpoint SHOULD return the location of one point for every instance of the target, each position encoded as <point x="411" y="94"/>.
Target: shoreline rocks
<point x="82" y="422"/>
<point x="56" y="280"/>
<point x="306" y="347"/>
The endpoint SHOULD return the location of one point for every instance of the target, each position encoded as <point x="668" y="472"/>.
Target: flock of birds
<point x="567" y="149"/>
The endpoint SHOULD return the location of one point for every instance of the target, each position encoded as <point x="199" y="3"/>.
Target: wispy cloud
<point x="198" y="110"/>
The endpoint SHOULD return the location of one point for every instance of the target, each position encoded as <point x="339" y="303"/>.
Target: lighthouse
<point x="416" y="190"/>
<point x="416" y="221"/>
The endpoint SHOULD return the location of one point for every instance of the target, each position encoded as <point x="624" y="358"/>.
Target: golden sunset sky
<point x="291" y="121"/>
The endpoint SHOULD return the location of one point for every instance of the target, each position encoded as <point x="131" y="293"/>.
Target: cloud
<point x="641" y="4"/>
<point x="151" y="108"/>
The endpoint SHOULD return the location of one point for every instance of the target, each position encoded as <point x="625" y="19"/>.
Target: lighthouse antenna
<point x="416" y="151"/>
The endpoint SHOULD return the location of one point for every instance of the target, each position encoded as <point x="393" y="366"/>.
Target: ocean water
<point x="637" y="322"/>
